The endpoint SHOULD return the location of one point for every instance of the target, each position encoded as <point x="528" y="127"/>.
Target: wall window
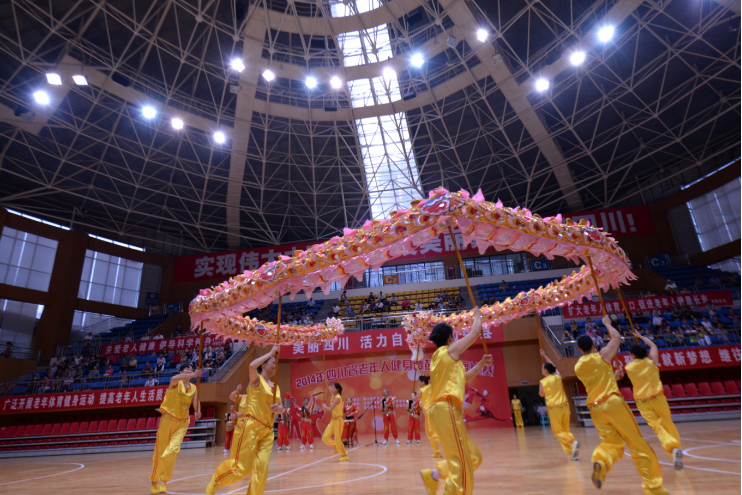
<point x="18" y="321"/>
<point x="716" y="215"/>
<point x="110" y="279"/>
<point x="486" y="266"/>
<point x="26" y="260"/>
<point x="96" y="322"/>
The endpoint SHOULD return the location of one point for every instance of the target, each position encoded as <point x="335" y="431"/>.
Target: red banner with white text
<point x="694" y="357"/>
<point x="73" y="401"/>
<point x="383" y="340"/>
<point x="592" y="309"/>
<point x="177" y="344"/>
<point x="363" y="379"/>
<point x="620" y="222"/>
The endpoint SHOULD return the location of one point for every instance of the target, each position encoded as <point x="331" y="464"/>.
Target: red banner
<point x="620" y="222"/>
<point x="93" y="399"/>
<point x="592" y="309"/>
<point x="695" y="358"/>
<point x="364" y="378"/>
<point x="383" y="340"/>
<point x="145" y="346"/>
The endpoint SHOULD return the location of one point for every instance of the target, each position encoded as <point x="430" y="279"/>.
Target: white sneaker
<point x="677" y="458"/>
<point x="418" y="442"/>
<point x="288" y="447"/>
<point x="396" y="440"/>
<point x="311" y="447"/>
<point x="409" y="442"/>
<point x="302" y="447"/>
<point x="575" y="450"/>
<point x="385" y="442"/>
<point x="225" y="451"/>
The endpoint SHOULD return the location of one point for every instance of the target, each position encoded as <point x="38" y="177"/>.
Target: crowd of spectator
<point x="381" y="303"/>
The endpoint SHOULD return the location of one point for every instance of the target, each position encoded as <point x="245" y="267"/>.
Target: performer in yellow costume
<point x="173" y="425"/>
<point x="423" y="395"/>
<point x="333" y="434"/>
<point x="517" y="411"/>
<point x="448" y="379"/>
<point x="612" y="417"/>
<point x="551" y="388"/>
<point x="650" y="398"/>
<point x="253" y="443"/>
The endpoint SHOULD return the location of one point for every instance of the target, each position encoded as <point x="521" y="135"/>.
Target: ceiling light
<point x="149" y="112"/>
<point x="219" y="137"/>
<point x="606" y="33"/>
<point x="53" y="79"/>
<point x="177" y="123"/>
<point x="389" y="73"/>
<point x="482" y="35"/>
<point x="311" y="82"/>
<point x="41" y="97"/>
<point x="577" y="57"/>
<point x="417" y="60"/>
<point x="268" y="75"/>
<point x="335" y="82"/>
<point x="237" y="64"/>
<point x="542" y="84"/>
<point x="80" y="80"/>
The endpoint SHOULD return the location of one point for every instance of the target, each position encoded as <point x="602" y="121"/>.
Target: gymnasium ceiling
<point x="652" y="109"/>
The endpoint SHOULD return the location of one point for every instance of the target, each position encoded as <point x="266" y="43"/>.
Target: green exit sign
<point x="524" y="383"/>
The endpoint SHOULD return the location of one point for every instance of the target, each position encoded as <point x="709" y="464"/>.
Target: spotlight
<point x="482" y="35"/>
<point x="417" y="60"/>
<point x="149" y="112"/>
<point x="237" y="64"/>
<point x="389" y="73"/>
<point x="177" y="123"/>
<point x="606" y="33"/>
<point x="542" y="84"/>
<point x="311" y="82"/>
<point x="80" y="80"/>
<point x="41" y="97"/>
<point x="268" y="75"/>
<point x="53" y="79"/>
<point x="577" y="58"/>
<point x="335" y="82"/>
<point x="219" y="137"/>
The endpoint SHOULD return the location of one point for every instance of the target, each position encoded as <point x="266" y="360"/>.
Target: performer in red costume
<point x="284" y="426"/>
<point x="307" y="435"/>
<point x="295" y="412"/>
<point x="413" y="429"/>
<point x="390" y="419"/>
<point x="349" y="431"/>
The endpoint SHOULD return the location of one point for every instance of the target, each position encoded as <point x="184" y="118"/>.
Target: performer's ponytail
<point x="424" y="379"/>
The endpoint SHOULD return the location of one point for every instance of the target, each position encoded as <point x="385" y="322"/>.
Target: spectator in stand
<point x="639" y="317"/>
<point x="504" y="286"/>
<point x="656" y="318"/>
<point x="83" y="385"/>
<point x="379" y="307"/>
<point x="151" y="382"/>
<point x="219" y="358"/>
<point x="675" y="311"/>
<point x="124" y="381"/>
<point x="349" y="312"/>
<point x="371" y="298"/>
<point x="311" y="303"/>
<point x="78" y="372"/>
<point x="164" y="352"/>
<point x="148" y="369"/>
<point x="95" y="372"/>
<point x="710" y="309"/>
<point x="614" y="320"/>
<point x="574" y="327"/>
<point x="69" y="379"/>
<point x="335" y="311"/>
<point x="405" y="304"/>
<point x="671" y="287"/>
<point x="707" y="325"/>
<point x="178" y="331"/>
<point x="132" y="364"/>
<point x="159" y="336"/>
<point x="393" y="301"/>
<point x="381" y="296"/>
<point x="175" y="361"/>
<point x="8" y="349"/>
<point x="129" y="336"/>
<point x="698" y="282"/>
<point x="591" y="326"/>
<point x="160" y="366"/>
<point x="418" y="305"/>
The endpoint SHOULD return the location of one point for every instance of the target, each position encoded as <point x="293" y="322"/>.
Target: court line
<point x="685" y="453"/>
<point x="47" y="476"/>
<point x="628" y="454"/>
<point x="384" y="470"/>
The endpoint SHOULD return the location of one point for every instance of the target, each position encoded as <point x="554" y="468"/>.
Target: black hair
<point x="184" y="366"/>
<point x="584" y="342"/>
<point x="550" y="368"/>
<point x="260" y="368"/>
<point x="424" y="379"/>
<point x="440" y="334"/>
<point x="639" y="351"/>
<point x="338" y="387"/>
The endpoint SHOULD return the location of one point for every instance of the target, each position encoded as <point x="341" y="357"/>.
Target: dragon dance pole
<point x="466" y="277"/>
<point x="200" y="354"/>
<point x="628" y="315"/>
<point x="414" y="363"/>
<point x="247" y="366"/>
<point x="278" y="341"/>
<point x="600" y="296"/>
<point x="538" y="331"/>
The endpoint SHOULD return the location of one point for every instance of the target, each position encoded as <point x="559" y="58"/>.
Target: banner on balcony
<point x="73" y="401"/>
<point x="363" y="379"/>
<point x="694" y="358"/>
<point x="383" y="340"/>
<point x="645" y="304"/>
<point x="620" y="222"/>
<point x="145" y="346"/>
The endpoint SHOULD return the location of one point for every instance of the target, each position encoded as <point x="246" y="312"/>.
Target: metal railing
<point x="383" y="320"/>
<point x="103" y="326"/>
<point x="21" y="353"/>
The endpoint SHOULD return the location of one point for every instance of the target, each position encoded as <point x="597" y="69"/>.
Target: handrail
<point x="227" y="365"/>
<point x="22" y="353"/>
<point x="373" y="321"/>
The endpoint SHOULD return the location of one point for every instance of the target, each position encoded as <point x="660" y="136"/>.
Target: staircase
<point x="468" y="303"/>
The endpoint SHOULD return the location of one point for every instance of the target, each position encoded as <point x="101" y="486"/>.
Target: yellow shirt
<point x="177" y="401"/>
<point x="259" y="401"/>
<point x="645" y="376"/>
<point x="597" y="376"/>
<point x="516" y="405"/>
<point x="554" y="390"/>
<point x="425" y="397"/>
<point x="448" y="377"/>
<point x="337" y="411"/>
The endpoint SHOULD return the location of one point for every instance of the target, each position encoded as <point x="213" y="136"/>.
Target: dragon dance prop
<point x="220" y="308"/>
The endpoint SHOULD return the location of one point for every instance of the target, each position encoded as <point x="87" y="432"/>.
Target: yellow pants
<point x="170" y="435"/>
<point x="432" y="436"/>
<point x="335" y="429"/>
<point x="518" y="416"/>
<point x="658" y="416"/>
<point x="250" y="454"/>
<point x="559" y="420"/>
<point x="462" y="457"/>
<point x="616" y="425"/>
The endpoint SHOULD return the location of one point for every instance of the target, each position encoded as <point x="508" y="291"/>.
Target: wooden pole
<point x="602" y="303"/>
<point x="324" y="374"/>
<point x="247" y="366"/>
<point x="414" y="381"/>
<point x="628" y="314"/>
<point x="538" y="332"/>
<point x="200" y="355"/>
<point x="466" y="278"/>
<point x="278" y="342"/>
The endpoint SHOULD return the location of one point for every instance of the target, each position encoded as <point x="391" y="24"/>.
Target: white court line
<point x="628" y="454"/>
<point x="47" y="476"/>
<point x="383" y="470"/>
<point x="685" y="453"/>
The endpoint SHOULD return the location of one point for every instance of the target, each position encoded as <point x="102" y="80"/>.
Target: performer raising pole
<point x="333" y="435"/>
<point x="552" y="389"/>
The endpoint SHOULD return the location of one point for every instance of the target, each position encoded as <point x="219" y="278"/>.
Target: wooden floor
<point x="522" y="462"/>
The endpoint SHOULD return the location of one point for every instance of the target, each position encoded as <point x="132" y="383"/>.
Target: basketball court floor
<point x="526" y="461"/>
